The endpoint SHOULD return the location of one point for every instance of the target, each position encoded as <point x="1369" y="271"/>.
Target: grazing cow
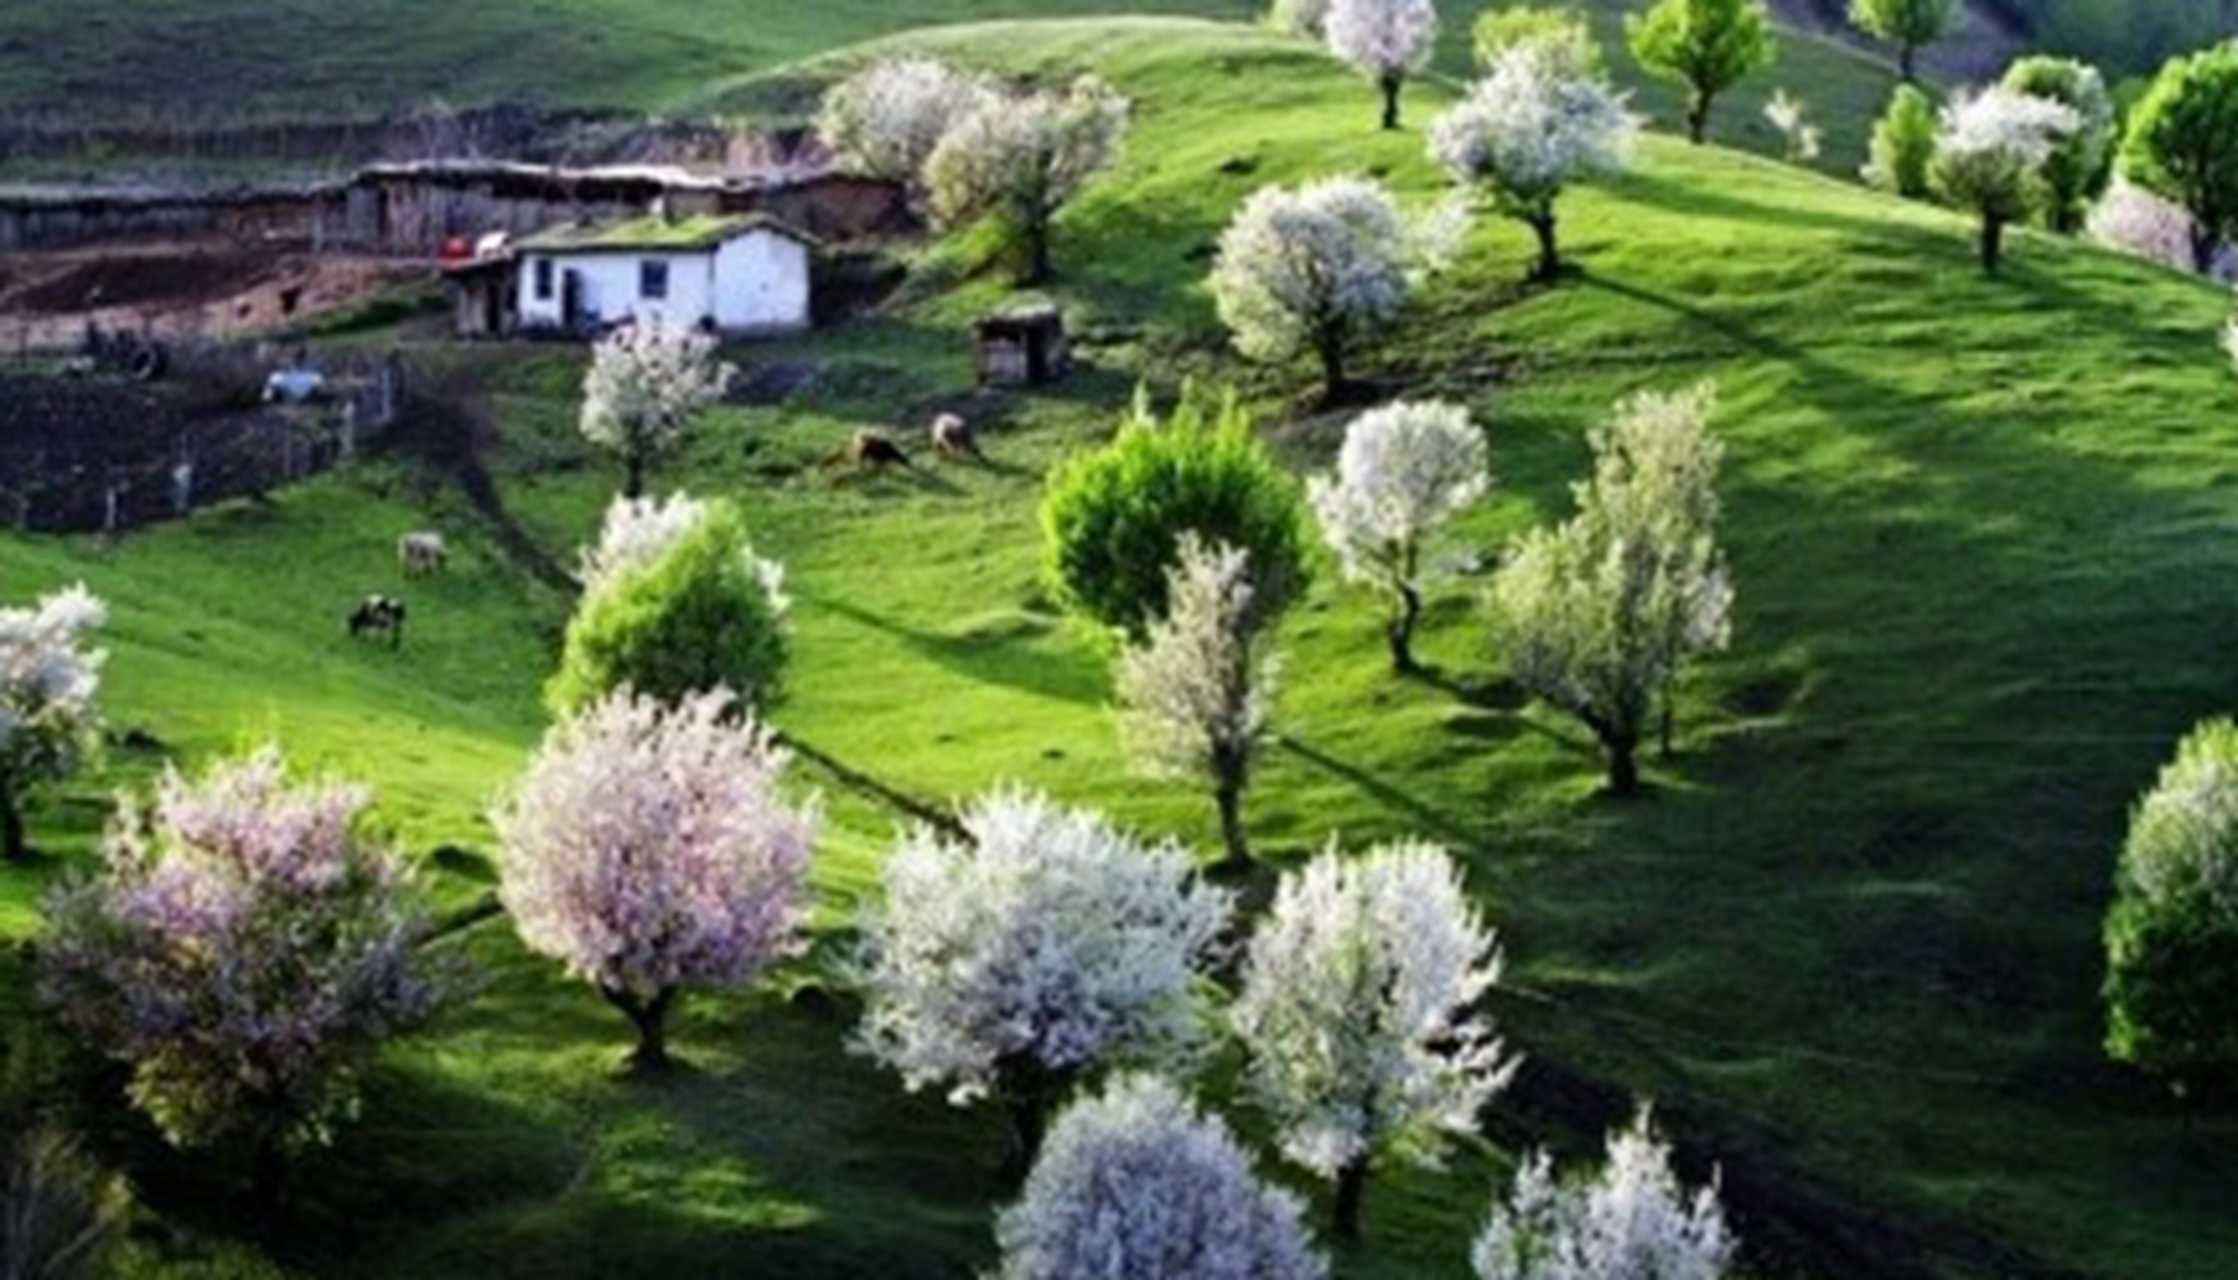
<point x="952" y="437"/>
<point x="422" y="552"/>
<point x="379" y="615"/>
<point x="869" y="449"/>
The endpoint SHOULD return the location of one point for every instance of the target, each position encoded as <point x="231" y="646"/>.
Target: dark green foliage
<point x="2172" y="936"/>
<point x="2083" y="163"/>
<point x="1706" y="45"/>
<point x="1112" y="520"/>
<point x="2183" y="144"/>
<point x="1904" y="144"/>
<point x="698" y="617"/>
<point x="2172" y="991"/>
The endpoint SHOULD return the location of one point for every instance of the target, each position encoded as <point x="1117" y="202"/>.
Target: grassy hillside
<point x="116" y="63"/>
<point x="1983" y="533"/>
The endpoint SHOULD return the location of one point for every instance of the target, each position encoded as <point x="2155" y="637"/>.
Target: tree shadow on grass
<point x="1423" y="816"/>
<point x="1006" y="656"/>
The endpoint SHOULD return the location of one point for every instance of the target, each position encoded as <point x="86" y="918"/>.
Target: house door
<point x="571" y="299"/>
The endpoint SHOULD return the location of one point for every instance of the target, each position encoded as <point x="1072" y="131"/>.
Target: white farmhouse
<point x="737" y="274"/>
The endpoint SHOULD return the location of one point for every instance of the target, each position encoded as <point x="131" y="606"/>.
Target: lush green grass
<point x="1983" y="533"/>
<point x="113" y="62"/>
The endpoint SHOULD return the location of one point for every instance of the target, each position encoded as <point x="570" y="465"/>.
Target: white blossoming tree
<point x="650" y="850"/>
<point x="1989" y="154"/>
<point x="1136" y="1184"/>
<point x="1046" y="945"/>
<point x="1358" y="1009"/>
<point x="1533" y="126"/>
<point x="646" y="383"/>
<point x="1195" y="693"/>
<point x="1405" y="471"/>
<point x="1384" y="40"/>
<point x="886" y="119"/>
<point x="1634" y="1220"/>
<point x="1792" y="119"/>
<point x="1317" y="268"/>
<point x="1599" y="615"/>
<point x="1014" y="160"/>
<point x="49" y="719"/>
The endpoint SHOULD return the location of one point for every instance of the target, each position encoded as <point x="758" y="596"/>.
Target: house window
<point x="543" y="279"/>
<point x="652" y="280"/>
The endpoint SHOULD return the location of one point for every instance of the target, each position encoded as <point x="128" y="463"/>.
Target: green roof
<point x="703" y="231"/>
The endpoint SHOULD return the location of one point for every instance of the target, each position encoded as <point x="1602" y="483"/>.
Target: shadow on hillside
<point x="994" y="657"/>
<point x="1424" y="817"/>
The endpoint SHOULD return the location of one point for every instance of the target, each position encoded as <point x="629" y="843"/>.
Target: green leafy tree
<point x="1904" y="145"/>
<point x="1910" y="25"/>
<point x="1706" y="45"/>
<point x="2172" y="934"/>
<point x="1113" y="519"/>
<point x="677" y="603"/>
<point x="2079" y="167"/>
<point x="1564" y="33"/>
<point x="2183" y="145"/>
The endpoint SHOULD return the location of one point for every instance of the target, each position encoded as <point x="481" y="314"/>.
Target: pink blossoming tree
<point x="650" y="850"/>
<point x="244" y="948"/>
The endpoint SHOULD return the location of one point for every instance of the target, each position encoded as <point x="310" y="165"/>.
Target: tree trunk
<point x="1993" y="244"/>
<point x="1391" y="86"/>
<point x="1229" y="797"/>
<point x="267" y="1169"/>
<point x="1401" y="630"/>
<point x="1027" y="1091"/>
<point x="13" y="847"/>
<point x="1352" y="1189"/>
<point x="1550" y="255"/>
<point x="650" y="1017"/>
<point x="1037" y="251"/>
<point x="1907" y="62"/>
<point x="1333" y="381"/>
<point x="1668" y="725"/>
<point x="1624" y="764"/>
<point x="1698" y="118"/>
<point x="2204" y="243"/>
<point x="633" y="482"/>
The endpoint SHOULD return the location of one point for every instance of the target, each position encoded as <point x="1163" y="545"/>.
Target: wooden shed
<point x="1022" y="346"/>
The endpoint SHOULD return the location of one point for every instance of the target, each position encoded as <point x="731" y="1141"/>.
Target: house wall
<point x="754" y="283"/>
<point x="761" y="284"/>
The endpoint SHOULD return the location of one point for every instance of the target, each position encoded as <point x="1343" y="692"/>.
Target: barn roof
<point x="704" y="231"/>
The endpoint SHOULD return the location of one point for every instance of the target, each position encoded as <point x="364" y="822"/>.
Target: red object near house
<point x="455" y="249"/>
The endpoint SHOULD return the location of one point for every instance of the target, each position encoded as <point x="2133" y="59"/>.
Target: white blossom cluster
<point x="1991" y="145"/>
<point x="1194" y="695"/>
<point x="1405" y="470"/>
<point x="1358" y="1007"/>
<point x="639" y="531"/>
<point x="1306" y="269"/>
<point x="645" y="382"/>
<point x="1382" y="39"/>
<point x="1050" y="942"/>
<point x="1136" y="1184"/>
<point x="49" y="679"/>
<point x="1788" y="115"/>
<point x="1635" y="1220"/>
<point x="885" y="120"/>
<point x="1533" y="125"/>
<point x="1024" y="155"/>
